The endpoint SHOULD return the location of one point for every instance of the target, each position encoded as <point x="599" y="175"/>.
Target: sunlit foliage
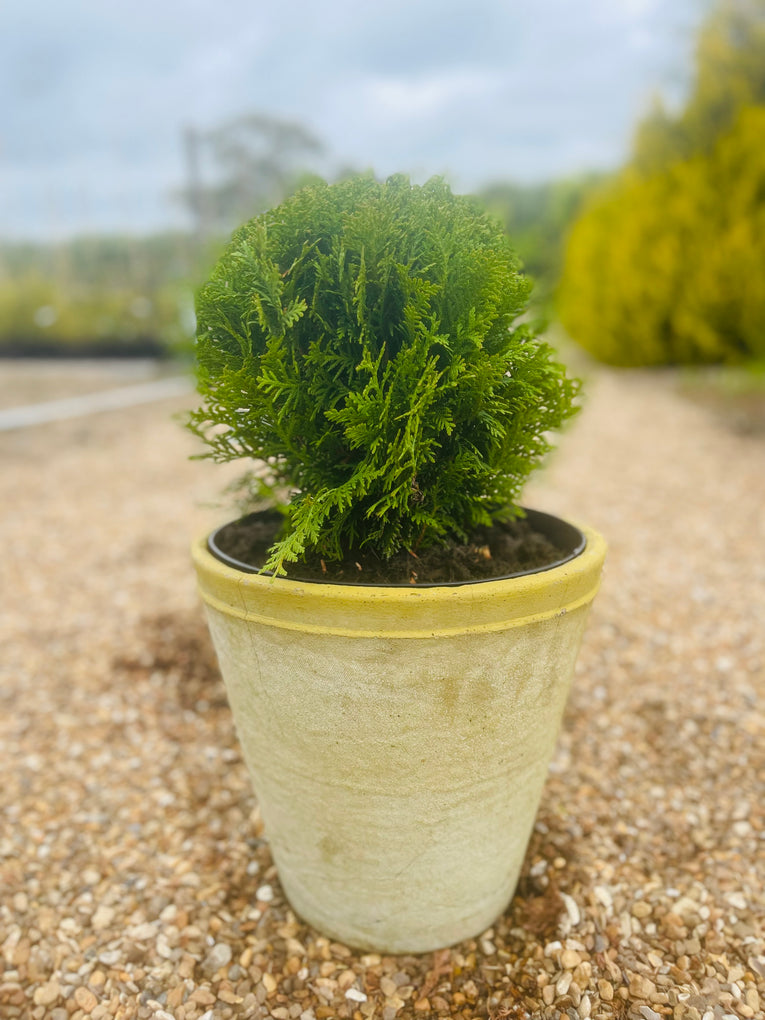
<point x="729" y="74"/>
<point x="670" y="267"/>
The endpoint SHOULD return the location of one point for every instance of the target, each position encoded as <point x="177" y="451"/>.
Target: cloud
<point x="415" y="96"/>
<point x="102" y="92"/>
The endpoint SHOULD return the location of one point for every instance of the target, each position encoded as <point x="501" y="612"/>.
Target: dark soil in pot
<point x="522" y="546"/>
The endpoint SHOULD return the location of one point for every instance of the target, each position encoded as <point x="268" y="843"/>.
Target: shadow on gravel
<point x="536" y="908"/>
<point x="178" y="646"/>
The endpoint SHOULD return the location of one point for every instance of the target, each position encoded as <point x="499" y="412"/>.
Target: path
<point x="133" y="880"/>
<point x="105" y="400"/>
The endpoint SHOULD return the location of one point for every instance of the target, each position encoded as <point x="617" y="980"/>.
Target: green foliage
<point x="729" y="74"/>
<point x="361" y="340"/>
<point x="665" y="266"/>
<point x="95" y="294"/>
<point x="668" y="268"/>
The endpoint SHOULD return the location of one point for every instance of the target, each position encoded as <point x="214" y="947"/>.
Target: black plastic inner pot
<point x="560" y="533"/>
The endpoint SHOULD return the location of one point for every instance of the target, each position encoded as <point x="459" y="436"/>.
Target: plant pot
<point x="398" y="738"/>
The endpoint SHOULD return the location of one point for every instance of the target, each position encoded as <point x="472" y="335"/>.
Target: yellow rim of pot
<point x="396" y="612"/>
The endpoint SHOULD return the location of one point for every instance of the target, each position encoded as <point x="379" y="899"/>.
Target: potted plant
<point x="396" y="635"/>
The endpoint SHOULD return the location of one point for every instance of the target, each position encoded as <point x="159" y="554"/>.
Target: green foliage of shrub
<point x="361" y="339"/>
<point x="668" y="268"/>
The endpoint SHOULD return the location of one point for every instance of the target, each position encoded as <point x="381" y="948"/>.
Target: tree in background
<point x="729" y="74"/>
<point x="130" y="295"/>
<point x="255" y="162"/>
<point x="537" y="218"/>
<point x="666" y="265"/>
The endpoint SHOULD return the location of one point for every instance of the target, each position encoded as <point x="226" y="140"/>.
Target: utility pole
<point x="192" y="140"/>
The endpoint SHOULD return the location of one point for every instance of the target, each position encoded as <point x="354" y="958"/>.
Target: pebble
<point x="604" y="897"/>
<point x="605" y="990"/>
<point x="564" y="983"/>
<point x="85" y="999"/>
<point x="641" y="987"/>
<point x="110" y="957"/>
<point x="572" y="910"/>
<point x="47" y="994"/>
<point x="218" y="957"/>
<point x="269" y="982"/>
<point x="388" y="986"/>
<point x="203" y="996"/>
<point x="102" y="918"/>
<point x="569" y="959"/>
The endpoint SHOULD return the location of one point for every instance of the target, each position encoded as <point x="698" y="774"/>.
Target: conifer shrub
<point x="668" y="268"/>
<point x="362" y="341"/>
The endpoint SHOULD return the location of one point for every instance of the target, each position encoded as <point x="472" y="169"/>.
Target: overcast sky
<point x="96" y="94"/>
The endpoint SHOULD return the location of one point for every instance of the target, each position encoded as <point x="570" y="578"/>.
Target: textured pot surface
<point x="398" y="739"/>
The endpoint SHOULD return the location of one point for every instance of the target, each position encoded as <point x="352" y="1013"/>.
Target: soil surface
<point x="136" y="879"/>
<point x="512" y="547"/>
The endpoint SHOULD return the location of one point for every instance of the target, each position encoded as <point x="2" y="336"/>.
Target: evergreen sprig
<point x="361" y="340"/>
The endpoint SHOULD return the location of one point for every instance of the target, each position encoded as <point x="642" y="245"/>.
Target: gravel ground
<point x="135" y="879"/>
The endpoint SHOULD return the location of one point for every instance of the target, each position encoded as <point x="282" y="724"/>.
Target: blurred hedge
<point x="96" y="296"/>
<point x="37" y="317"/>
<point x="670" y="268"/>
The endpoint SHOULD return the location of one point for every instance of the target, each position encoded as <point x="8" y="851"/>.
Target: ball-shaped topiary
<point x="360" y="339"/>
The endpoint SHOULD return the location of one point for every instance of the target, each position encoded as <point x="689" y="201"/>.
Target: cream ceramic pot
<point x="398" y="738"/>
